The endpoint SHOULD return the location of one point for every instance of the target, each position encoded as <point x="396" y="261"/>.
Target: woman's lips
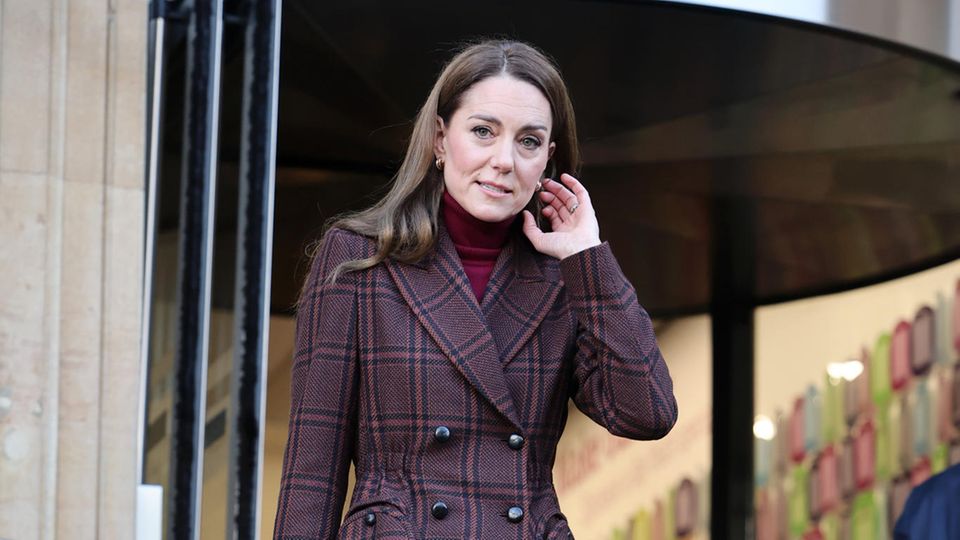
<point x="494" y="189"/>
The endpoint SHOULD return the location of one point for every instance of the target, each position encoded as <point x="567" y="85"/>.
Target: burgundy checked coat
<point x="451" y="409"/>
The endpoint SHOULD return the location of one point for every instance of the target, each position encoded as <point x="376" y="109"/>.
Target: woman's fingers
<point x="553" y="216"/>
<point x="559" y="191"/>
<point x="569" y="210"/>
<point x="553" y="202"/>
<point x="557" y="213"/>
<point x="576" y="188"/>
<point x="566" y="196"/>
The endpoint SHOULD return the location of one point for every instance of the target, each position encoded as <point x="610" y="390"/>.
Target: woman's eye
<point x="482" y="131"/>
<point x="530" y="142"/>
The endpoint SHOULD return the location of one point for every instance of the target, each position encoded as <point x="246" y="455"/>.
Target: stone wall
<point x="72" y="136"/>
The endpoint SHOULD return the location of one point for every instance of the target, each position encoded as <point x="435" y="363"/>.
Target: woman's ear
<point x="438" y="149"/>
<point x="551" y="170"/>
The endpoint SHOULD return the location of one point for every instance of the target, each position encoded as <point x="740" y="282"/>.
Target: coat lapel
<point x="440" y="296"/>
<point x="517" y="299"/>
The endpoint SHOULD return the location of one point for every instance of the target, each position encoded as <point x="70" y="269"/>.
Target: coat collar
<point x="479" y="339"/>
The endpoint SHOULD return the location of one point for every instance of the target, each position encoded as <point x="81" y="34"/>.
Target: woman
<point x="440" y="335"/>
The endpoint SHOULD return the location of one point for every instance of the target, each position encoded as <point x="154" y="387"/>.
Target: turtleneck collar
<point x="468" y="231"/>
<point x="478" y="242"/>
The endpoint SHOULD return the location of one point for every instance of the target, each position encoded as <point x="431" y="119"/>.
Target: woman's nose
<point x="502" y="158"/>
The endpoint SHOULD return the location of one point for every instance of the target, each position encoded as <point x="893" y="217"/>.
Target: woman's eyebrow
<point x="489" y="119"/>
<point x="493" y="120"/>
<point x="534" y="127"/>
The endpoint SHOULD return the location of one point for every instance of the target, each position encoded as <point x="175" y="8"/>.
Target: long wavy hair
<point x="404" y="221"/>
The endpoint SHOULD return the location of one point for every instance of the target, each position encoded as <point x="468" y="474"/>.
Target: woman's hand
<point x="567" y="205"/>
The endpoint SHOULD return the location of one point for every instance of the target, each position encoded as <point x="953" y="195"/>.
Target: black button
<point x="515" y="514"/>
<point x="515" y="441"/>
<point x="439" y="510"/>
<point x="370" y="519"/>
<point x="442" y="434"/>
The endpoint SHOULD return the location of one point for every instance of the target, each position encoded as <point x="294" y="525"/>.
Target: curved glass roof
<point x="844" y="152"/>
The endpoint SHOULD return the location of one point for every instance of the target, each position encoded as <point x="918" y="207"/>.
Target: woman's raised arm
<point x="622" y="381"/>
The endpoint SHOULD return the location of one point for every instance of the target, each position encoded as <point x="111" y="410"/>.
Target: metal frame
<point x="254" y="256"/>
<point x="155" y="80"/>
<point x="198" y="177"/>
<point x="254" y="250"/>
<point x="732" y="339"/>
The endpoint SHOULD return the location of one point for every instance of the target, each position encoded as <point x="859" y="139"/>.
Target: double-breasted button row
<point x="441" y="434"/>
<point x="439" y="510"/>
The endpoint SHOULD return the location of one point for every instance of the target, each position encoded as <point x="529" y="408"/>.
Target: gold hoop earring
<point x="439" y="163"/>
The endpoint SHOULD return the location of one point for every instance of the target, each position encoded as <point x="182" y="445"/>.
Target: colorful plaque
<point x="880" y="371"/>
<point x="797" y="448"/>
<point x="923" y="341"/>
<point x="686" y="507"/>
<point x="900" y="351"/>
<point x="921" y="428"/>
<point x="864" y="456"/>
<point x="813" y="419"/>
<point x="847" y="483"/>
<point x="829" y="483"/>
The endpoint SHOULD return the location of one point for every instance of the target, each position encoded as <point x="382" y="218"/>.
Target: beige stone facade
<point x="72" y="128"/>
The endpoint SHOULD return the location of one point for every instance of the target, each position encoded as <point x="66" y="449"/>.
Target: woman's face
<point x="496" y="147"/>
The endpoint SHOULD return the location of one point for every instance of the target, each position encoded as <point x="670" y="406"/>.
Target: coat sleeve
<point x="621" y="380"/>
<point x="323" y="404"/>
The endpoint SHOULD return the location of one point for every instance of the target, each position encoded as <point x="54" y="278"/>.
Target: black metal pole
<point x="254" y="255"/>
<point x="198" y="179"/>
<point x="732" y="310"/>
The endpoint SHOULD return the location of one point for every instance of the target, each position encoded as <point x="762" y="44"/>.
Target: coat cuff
<point x="593" y="274"/>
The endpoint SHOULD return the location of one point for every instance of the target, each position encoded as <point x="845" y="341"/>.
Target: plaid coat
<point x="451" y="409"/>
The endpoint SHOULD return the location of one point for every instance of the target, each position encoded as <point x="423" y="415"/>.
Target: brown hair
<point x="404" y="221"/>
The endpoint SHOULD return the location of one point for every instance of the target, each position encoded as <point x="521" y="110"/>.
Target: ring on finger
<point x="574" y="207"/>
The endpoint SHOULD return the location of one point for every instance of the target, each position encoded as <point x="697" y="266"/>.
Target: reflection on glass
<point x="804" y="10"/>
<point x="216" y="454"/>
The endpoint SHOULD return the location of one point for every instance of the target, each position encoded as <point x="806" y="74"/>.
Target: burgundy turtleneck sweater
<point x="478" y="242"/>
